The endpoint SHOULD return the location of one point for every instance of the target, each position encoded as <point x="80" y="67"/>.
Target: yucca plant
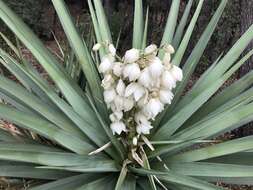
<point x="74" y="135"/>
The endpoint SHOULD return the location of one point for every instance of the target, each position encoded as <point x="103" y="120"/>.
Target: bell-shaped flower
<point x="153" y="107"/>
<point x="143" y="129"/>
<point x="117" y="69"/>
<point x="112" y="49"/>
<point x="119" y="102"/>
<point x="156" y="68"/>
<point x="118" y="127"/>
<point x="167" y="80"/>
<point x="116" y="116"/>
<point x="128" y="104"/>
<point x="151" y="49"/>
<point x="109" y="95"/>
<point x="132" y="71"/>
<point x="136" y="90"/>
<point x="120" y="88"/>
<point x="140" y="117"/>
<point x="177" y="73"/>
<point x="166" y="96"/>
<point x="145" y="78"/>
<point x="108" y="81"/>
<point x="105" y="65"/>
<point x="131" y="55"/>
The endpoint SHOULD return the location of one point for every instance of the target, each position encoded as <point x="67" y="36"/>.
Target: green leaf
<point x="145" y="33"/>
<point x="81" y="53"/>
<point x="122" y="176"/>
<point x="102" y="21"/>
<point x="104" y="183"/>
<point x="206" y="169"/>
<point x="72" y="182"/>
<point x="193" y="59"/>
<point x="230" y="147"/>
<point x="171" y="23"/>
<point x="129" y="183"/>
<point x="35" y="104"/>
<point x="45" y="128"/>
<point x="224" y="64"/>
<point x="68" y="87"/>
<point x="138" y="24"/>
<point x="176" y="121"/>
<point x="23" y="171"/>
<point x="181" y="50"/>
<point x="171" y="177"/>
<point x="181" y="26"/>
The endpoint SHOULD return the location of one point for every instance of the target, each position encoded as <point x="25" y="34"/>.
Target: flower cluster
<point x="137" y="87"/>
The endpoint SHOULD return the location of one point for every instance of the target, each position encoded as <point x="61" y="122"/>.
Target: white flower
<point x="135" y="141"/>
<point x="120" y="88"/>
<point x="119" y="102"/>
<point x="96" y="47"/>
<point x="153" y="107"/>
<point x="176" y="73"/>
<point x="106" y="64"/>
<point x="112" y="49"/>
<point x="141" y="118"/>
<point x="131" y="55"/>
<point x="128" y="104"/>
<point x="117" y="68"/>
<point x="143" y="129"/>
<point x="166" y="96"/>
<point x="118" y="127"/>
<point x="166" y="58"/>
<point x="116" y="116"/>
<point x="109" y="95"/>
<point x="156" y="67"/>
<point x="169" y="49"/>
<point x="108" y="81"/>
<point x="145" y="78"/>
<point x="150" y="49"/>
<point x="136" y="90"/>
<point x="132" y="71"/>
<point x="168" y="80"/>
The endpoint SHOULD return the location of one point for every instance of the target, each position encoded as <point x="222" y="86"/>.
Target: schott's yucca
<point x="123" y="121"/>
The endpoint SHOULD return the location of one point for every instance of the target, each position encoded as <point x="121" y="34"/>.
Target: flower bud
<point x="166" y="58"/>
<point x="96" y="47"/>
<point x="131" y="55"/>
<point x="151" y="49"/>
<point x="135" y="141"/>
<point x="112" y="49"/>
<point x="169" y="49"/>
<point x="132" y="71"/>
<point x="118" y="127"/>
